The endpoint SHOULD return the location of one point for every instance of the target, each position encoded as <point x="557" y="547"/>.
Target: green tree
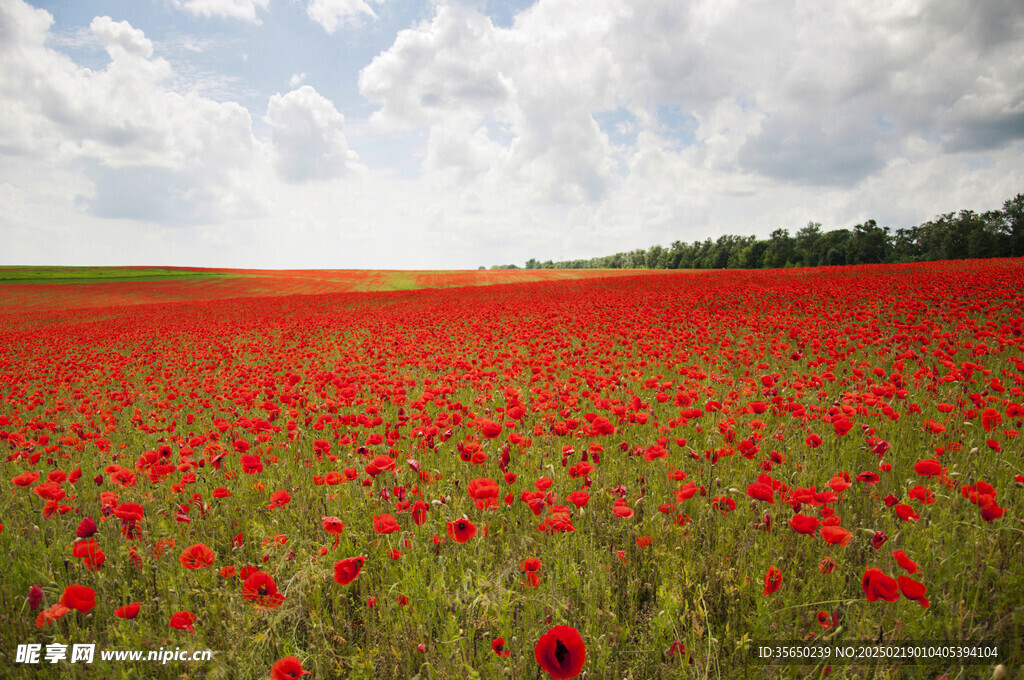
<point x="781" y="249"/>
<point x="1013" y="214"/>
<point x="807" y="239"/>
<point x="869" y="244"/>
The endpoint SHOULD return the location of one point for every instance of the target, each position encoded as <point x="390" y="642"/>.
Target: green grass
<point x="49" y="274"/>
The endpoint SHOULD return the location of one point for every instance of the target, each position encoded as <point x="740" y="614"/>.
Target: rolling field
<point x="32" y="287"/>
<point x="512" y="474"/>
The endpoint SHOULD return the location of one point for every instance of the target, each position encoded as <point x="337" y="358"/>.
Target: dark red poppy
<point x="35" y="597"/>
<point x="346" y="570"/>
<point x="86" y="528"/>
<point x="878" y="540"/>
<point x="878" y="586"/>
<point x="561" y="652"/>
<point x="287" y="668"/>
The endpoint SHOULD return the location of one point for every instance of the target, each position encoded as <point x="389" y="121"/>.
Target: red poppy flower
<point x="913" y="590"/>
<point x="623" y="511"/>
<point x="761" y="492"/>
<point x="78" y="597"/>
<point x="196" y="556"/>
<point x="878" y="540"/>
<point x="385" y="524"/>
<point x="804" y="524"/>
<point x="904" y="561"/>
<point x="928" y="467"/>
<point x="489" y="428"/>
<point x="183" y="621"/>
<point x="129" y="511"/>
<point x="279" y="499"/>
<point x="906" y="513"/>
<point x="836" y="535"/>
<point x="498" y="645"/>
<point x="839" y="483"/>
<point x="86" y="528"/>
<point x="287" y="668"/>
<point x="482" y="488"/>
<point x="827" y="565"/>
<point x="461" y="530"/>
<point x="878" y="586"/>
<point x="561" y="652"/>
<point x="51" y="614"/>
<point x="128" y="611"/>
<point x="869" y="478"/>
<point x="813" y="441"/>
<point x="723" y="504"/>
<point x="419" y="513"/>
<point x="90" y="554"/>
<point x="772" y="580"/>
<point x="260" y="589"/>
<point x="346" y="571"/>
<point x="579" y="498"/>
<point x="25" y="479"/>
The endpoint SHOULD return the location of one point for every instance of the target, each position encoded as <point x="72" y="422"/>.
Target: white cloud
<point x="123" y="127"/>
<point x="833" y="88"/>
<point x="332" y="14"/>
<point x="232" y="9"/>
<point x="581" y="128"/>
<point x="307" y="137"/>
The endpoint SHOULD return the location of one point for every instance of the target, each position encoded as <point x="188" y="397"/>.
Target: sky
<point x="392" y="134"/>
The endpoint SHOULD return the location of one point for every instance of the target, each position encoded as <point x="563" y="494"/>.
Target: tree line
<point x="952" y="236"/>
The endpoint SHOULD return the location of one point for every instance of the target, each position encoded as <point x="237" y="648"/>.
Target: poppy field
<point x="638" y="476"/>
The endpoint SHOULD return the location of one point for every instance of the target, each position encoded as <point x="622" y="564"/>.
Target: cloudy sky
<point x="458" y="133"/>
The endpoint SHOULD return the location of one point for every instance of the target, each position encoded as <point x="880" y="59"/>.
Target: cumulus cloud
<point x="828" y="91"/>
<point x="120" y="120"/>
<point x="307" y="137"/>
<point x="333" y="14"/>
<point x="232" y="9"/>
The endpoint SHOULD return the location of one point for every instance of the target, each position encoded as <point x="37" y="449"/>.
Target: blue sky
<point x="448" y="134"/>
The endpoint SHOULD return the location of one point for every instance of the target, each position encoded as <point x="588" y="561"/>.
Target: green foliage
<point x="952" y="236"/>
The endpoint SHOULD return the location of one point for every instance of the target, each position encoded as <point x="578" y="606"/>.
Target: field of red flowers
<point x="184" y="284"/>
<point x="645" y="476"/>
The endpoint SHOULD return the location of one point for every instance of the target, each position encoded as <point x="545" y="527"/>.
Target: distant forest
<point x="953" y="236"/>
